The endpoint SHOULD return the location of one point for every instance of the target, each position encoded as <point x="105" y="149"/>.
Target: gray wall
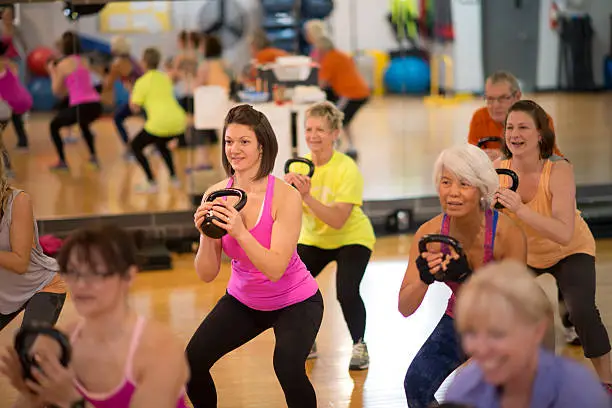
<point x="43" y="23"/>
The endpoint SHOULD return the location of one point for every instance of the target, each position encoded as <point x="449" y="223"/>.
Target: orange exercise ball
<point x="38" y="59"/>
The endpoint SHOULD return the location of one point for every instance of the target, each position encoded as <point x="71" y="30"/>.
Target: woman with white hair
<point x="314" y="30"/>
<point x="502" y="316"/>
<point x="127" y="70"/>
<point x="466" y="181"/>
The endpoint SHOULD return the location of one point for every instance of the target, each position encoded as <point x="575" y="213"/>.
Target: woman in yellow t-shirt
<point x="559" y="241"/>
<point x="166" y="119"/>
<point x="334" y="227"/>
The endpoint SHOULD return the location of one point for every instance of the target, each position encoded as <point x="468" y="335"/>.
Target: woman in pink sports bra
<point x="466" y="181"/>
<point x="71" y="76"/>
<point x="119" y="359"/>
<point x="270" y="287"/>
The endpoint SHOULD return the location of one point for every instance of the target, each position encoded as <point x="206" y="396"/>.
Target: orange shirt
<point x="483" y="126"/>
<point x="341" y="73"/>
<point x="269" y="55"/>
<point x="541" y="251"/>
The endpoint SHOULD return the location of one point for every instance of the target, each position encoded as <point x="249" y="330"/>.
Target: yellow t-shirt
<point x="337" y="181"/>
<point x="155" y="93"/>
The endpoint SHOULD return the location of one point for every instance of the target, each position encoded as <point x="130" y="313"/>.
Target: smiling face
<point x="502" y="344"/>
<point x="320" y="137"/>
<point x="94" y="290"/>
<point x="242" y="149"/>
<point x="521" y="135"/>
<point x="499" y="98"/>
<point x="457" y="197"/>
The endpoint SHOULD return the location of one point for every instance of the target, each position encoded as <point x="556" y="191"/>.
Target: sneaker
<point x="175" y="182"/>
<point x="571" y="337"/>
<point x="360" y="360"/>
<point x="60" y="166"/>
<point x="313" y="352"/>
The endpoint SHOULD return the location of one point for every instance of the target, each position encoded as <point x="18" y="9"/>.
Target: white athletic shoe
<point x="360" y="360"/>
<point x="147" y="188"/>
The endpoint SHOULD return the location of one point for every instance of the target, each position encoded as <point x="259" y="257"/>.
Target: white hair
<point x="471" y="164"/>
<point x="324" y="44"/>
<point x="316" y="28"/>
<point x="121" y="45"/>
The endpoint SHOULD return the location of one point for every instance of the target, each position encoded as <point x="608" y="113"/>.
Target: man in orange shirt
<point x="344" y="84"/>
<point x="501" y="92"/>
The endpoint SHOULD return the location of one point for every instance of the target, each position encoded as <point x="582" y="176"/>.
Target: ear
<point x="131" y="275"/>
<point x="335" y="134"/>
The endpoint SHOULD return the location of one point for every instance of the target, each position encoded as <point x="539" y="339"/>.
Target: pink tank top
<point x="14" y="93"/>
<point x="80" y="87"/>
<point x="11" y="51"/>
<point x="121" y="396"/>
<point x="253" y="288"/>
<point x="491" y="217"/>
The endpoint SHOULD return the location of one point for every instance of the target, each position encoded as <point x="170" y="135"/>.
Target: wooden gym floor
<point x="245" y="377"/>
<point x="398" y="140"/>
<point x="408" y="135"/>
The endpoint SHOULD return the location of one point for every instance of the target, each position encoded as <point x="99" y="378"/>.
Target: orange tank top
<point x="541" y="251"/>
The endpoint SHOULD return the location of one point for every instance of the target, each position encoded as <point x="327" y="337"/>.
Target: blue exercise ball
<point x="42" y="95"/>
<point x="317" y="9"/>
<point x="407" y="75"/>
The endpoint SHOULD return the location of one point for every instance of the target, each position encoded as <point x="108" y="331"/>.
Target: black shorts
<point x="350" y="107"/>
<point x="204" y="137"/>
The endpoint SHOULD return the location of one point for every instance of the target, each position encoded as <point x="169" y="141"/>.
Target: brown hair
<point x="70" y="44"/>
<point x="540" y="118"/>
<point x="212" y="47"/>
<point x="258" y="122"/>
<point x="152" y="57"/>
<point x="109" y="244"/>
<point x="190" y="36"/>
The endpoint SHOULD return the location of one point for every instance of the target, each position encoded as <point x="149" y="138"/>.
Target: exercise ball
<point x="42" y="95"/>
<point x="317" y="9"/>
<point x="608" y="72"/>
<point x="407" y="75"/>
<point x="37" y="60"/>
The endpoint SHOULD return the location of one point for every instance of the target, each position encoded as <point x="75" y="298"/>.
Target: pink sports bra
<point x="120" y="396"/>
<point x="491" y="217"/>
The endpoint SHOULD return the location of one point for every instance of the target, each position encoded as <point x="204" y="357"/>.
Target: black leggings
<point x="142" y="140"/>
<point x="22" y="137"/>
<point x="352" y="261"/>
<point x="84" y="114"/>
<point x="575" y="276"/>
<point x="231" y="324"/>
<point x="42" y="307"/>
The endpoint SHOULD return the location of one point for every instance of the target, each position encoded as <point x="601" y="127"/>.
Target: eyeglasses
<point x="88" y="278"/>
<point x="500" y="99"/>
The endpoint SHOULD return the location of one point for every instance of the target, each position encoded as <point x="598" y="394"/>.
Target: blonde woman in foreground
<point x="502" y="317"/>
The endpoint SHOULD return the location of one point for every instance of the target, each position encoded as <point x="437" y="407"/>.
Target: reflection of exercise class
<point x="305" y="203"/>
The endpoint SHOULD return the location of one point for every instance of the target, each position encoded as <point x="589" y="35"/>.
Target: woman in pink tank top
<point x="269" y="287"/>
<point x="15" y="94"/>
<point x="466" y="181"/>
<point x="70" y="76"/>
<point x="119" y="359"/>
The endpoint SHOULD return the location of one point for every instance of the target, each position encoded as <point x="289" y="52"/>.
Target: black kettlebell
<point x="441" y="275"/>
<point x="23" y="344"/>
<point x="482" y="142"/>
<point x="311" y="166"/>
<point x="513" y="187"/>
<point x="207" y="226"/>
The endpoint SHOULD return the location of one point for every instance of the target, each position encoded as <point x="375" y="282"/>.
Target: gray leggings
<point x="575" y="276"/>
<point x="42" y="307"/>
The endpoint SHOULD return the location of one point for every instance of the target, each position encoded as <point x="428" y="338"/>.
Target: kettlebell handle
<point x="513" y="187"/>
<point x="443" y="239"/>
<point x="28" y="331"/>
<point x="309" y="163"/>
<point x="489" y="139"/>
<point x="230" y="192"/>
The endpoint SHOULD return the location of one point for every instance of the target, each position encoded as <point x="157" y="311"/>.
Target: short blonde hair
<point x="329" y="111"/>
<point x="500" y="288"/>
<point x="471" y="164"/>
<point x="316" y="29"/>
<point x="121" y="45"/>
<point x="324" y="44"/>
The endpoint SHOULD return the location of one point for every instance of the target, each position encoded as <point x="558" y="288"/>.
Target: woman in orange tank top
<point x="559" y="241"/>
